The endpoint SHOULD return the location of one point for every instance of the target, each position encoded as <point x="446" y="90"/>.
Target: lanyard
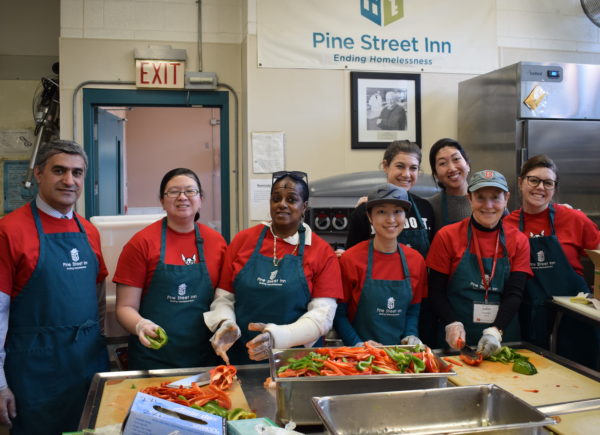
<point x="486" y="283"/>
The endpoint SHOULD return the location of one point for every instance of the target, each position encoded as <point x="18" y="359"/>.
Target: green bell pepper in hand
<point x="160" y="340"/>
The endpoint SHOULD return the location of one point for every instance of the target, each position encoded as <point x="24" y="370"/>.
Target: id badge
<point x="484" y="313"/>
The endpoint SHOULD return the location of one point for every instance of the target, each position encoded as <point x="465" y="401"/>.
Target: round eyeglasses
<point x="535" y="182"/>
<point x="190" y="193"/>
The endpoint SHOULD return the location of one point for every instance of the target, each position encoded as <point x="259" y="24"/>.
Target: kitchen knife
<point x="200" y="379"/>
<point x="470" y="356"/>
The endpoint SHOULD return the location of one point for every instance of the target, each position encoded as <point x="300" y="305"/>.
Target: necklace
<point x="277" y="260"/>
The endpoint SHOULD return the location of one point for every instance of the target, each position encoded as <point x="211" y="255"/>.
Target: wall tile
<point x="71" y="14"/>
<point x="93" y="14"/>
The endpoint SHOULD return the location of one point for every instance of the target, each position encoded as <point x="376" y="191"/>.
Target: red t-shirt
<point x="353" y="264"/>
<point x="321" y="267"/>
<point x="140" y="255"/>
<point x="20" y="246"/>
<point x="450" y="244"/>
<point x="574" y="230"/>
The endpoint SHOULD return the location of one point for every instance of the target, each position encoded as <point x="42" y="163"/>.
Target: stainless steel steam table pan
<point x="293" y="395"/>
<point x="472" y="409"/>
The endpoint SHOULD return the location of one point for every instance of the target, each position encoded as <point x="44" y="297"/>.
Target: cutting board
<point x="118" y="395"/>
<point x="554" y="383"/>
<point x="578" y="423"/>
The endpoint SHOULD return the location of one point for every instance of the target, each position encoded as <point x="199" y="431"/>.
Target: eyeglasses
<point x="296" y="175"/>
<point x="190" y="193"/>
<point x="535" y="182"/>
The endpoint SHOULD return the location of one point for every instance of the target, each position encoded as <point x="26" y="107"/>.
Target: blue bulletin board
<point x="15" y="194"/>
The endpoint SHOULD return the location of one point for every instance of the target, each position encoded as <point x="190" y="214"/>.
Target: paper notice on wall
<point x="260" y="192"/>
<point x="267" y="151"/>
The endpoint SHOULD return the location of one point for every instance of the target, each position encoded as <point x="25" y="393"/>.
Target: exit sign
<point x="161" y="74"/>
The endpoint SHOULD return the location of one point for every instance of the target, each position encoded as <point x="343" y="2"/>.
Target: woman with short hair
<point x="478" y="270"/>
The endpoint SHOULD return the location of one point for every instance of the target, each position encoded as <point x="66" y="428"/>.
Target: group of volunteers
<point x="451" y="269"/>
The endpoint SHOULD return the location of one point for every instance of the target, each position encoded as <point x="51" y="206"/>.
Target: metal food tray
<point x="457" y="410"/>
<point x="293" y="395"/>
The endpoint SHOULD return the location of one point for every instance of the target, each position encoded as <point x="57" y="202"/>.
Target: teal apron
<point x="176" y="299"/>
<point x="465" y="287"/>
<point x="54" y="345"/>
<point x="416" y="238"/>
<point x="267" y="293"/>
<point x="553" y="276"/>
<point x="381" y="311"/>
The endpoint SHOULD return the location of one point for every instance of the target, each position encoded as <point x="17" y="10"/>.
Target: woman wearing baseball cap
<point x="383" y="280"/>
<point x="478" y="270"/>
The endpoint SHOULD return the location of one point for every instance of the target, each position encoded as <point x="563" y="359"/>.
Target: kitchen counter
<point x="263" y="402"/>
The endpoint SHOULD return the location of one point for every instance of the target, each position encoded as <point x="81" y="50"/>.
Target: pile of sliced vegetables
<point x="367" y="360"/>
<point x="212" y="398"/>
<point x="521" y="363"/>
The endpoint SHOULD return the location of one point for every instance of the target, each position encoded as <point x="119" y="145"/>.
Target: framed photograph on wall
<point x="385" y="107"/>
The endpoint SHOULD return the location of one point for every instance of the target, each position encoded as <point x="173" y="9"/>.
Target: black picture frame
<point x="384" y="107"/>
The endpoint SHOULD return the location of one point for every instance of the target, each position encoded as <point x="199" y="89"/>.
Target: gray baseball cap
<point x="487" y="178"/>
<point x="388" y="193"/>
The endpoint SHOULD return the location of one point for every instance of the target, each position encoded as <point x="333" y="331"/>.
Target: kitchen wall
<point x="29" y="31"/>
<point x="311" y="106"/>
<point x="318" y="140"/>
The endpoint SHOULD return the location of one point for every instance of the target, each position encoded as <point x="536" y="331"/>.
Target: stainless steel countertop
<point x="252" y="378"/>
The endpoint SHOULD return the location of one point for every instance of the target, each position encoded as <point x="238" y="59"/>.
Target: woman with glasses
<point x="279" y="281"/>
<point x="166" y="275"/>
<point x="557" y="236"/>
<point x="401" y="164"/>
<point x="450" y="169"/>
<point x="478" y="270"/>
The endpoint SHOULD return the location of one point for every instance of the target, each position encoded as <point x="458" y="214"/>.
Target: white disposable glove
<point x="224" y="337"/>
<point x="454" y="332"/>
<point x="260" y="346"/>
<point x="8" y="408"/>
<point x="145" y="327"/>
<point x="489" y="343"/>
<point x="411" y="340"/>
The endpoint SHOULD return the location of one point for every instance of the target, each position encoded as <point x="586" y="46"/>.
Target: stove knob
<point x="339" y="223"/>
<point x="322" y="222"/>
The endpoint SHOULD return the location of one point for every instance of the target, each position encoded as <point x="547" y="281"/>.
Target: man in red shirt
<point x="51" y="282"/>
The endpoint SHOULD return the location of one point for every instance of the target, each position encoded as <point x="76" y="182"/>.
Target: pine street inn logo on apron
<point x="76" y="263"/>
<point x="542" y="261"/>
<point x="181" y="297"/>
<point x="390" y="309"/>
<point x="272" y="281"/>
<point x="382" y="12"/>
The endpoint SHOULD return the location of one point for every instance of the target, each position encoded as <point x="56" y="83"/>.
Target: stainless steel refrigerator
<point x="516" y="112"/>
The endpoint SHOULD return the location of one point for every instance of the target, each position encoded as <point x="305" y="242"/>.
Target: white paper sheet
<point x="260" y="191"/>
<point x="267" y="151"/>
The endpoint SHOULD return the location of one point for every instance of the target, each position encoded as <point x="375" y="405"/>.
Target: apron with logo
<point x="381" y="311"/>
<point x="466" y="288"/>
<point x="417" y="238"/>
<point x="267" y="293"/>
<point x="54" y="345"/>
<point x="176" y="299"/>
<point x="552" y="276"/>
